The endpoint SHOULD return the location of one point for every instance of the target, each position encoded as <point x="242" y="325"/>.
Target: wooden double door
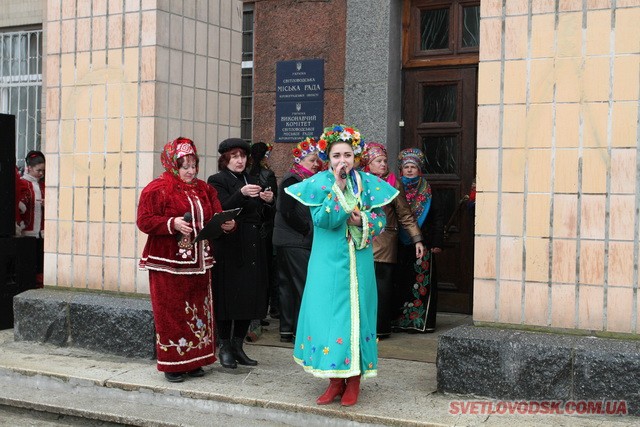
<point x="440" y="68"/>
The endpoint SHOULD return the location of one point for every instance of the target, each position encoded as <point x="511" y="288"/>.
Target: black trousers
<point x="386" y="307"/>
<point x="292" y="276"/>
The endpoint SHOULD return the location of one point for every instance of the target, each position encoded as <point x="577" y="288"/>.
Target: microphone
<point x="343" y="173"/>
<point x="186" y="217"/>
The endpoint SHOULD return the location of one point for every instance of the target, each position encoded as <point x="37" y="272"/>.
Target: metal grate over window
<point x="21" y="86"/>
<point x="246" y="94"/>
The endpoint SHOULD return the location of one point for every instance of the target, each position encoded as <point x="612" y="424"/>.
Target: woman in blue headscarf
<point x="418" y="292"/>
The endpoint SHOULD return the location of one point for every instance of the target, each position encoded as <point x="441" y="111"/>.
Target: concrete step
<point x="88" y="400"/>
<point x="111" y="389"/>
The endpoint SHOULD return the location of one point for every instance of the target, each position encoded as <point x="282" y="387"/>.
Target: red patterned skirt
<point x="184" y="320"/>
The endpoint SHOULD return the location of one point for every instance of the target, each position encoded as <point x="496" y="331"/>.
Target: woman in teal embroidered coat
<point x="336" y="332"/>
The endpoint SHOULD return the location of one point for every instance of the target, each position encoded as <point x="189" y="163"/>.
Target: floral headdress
<point x="340" y="133"/>
<point x="260" y="150"/>
<point x="411" y="155"/>
<point x="304" y="148"/>
<point x="269" y="149"/>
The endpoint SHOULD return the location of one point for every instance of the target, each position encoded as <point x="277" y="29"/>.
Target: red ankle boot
<point x="350" y="396"/>
<point x="335" y="389"/>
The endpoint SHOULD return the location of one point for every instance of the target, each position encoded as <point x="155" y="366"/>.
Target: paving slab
<point x="277" y="392"/>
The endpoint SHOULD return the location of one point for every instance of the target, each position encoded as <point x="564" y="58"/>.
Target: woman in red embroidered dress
<point x="172" y="210"/>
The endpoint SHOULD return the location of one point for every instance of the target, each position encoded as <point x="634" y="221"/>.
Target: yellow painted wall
<point x="557" y="225"/>
<point x="121" y="79"/>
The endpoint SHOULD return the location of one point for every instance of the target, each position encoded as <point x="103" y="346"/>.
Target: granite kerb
<point x="513" y="364"/>
<point x="103" y="322"/>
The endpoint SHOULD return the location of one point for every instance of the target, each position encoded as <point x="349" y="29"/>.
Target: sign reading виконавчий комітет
<point x="299" y="99"/>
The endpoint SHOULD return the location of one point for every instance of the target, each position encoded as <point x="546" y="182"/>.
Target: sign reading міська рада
<point x="299" y="99"/>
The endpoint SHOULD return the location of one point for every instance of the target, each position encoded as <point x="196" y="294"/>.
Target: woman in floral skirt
<point x="173" y="209"/>
<point x="418" y="292"/>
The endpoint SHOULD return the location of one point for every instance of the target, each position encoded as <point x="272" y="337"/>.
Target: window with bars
<point x="21" y="86"/>
<point x="246" y="93"/>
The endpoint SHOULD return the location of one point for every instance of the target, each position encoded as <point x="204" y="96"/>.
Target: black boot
<point x="239" y="353"/>
<point x="226" y="355"/>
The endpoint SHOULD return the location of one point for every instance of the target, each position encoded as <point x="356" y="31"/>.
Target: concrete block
<point x="511" y="365"/>
<point x="42" y="316"/>
<point x="504" y="364"/>
<point x="112" y="324"/>
<point x="607" y="369"/>
<point x="101" y="322"/>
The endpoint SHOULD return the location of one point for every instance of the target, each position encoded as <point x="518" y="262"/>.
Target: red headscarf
<point x="371" y="151"/>
<point x="173" y="150"/>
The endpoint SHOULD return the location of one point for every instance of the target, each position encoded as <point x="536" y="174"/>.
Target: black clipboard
<point x="212" y="230"/>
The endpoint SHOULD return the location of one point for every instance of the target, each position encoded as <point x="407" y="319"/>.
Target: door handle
<point x="449" y="226"/>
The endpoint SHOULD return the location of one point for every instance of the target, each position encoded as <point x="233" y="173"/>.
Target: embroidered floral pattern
<point x="185" y="253"/>
<point x="201" y="332"/>
<point x="414" y="313"/>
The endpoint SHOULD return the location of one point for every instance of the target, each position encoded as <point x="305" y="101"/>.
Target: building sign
<point x="299" y="99"/>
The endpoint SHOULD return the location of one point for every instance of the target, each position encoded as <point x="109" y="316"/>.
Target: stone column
<point x="122" y="78"/>
<point x="372" y="89"/>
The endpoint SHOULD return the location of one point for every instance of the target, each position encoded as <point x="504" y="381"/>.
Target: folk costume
<point x="418" y="291"/>
<point x="179" y="277"/>
<point x="21" y="194"/>
<point x="292" y="237"/>
<point x="31" y="209"/>
<point x="336" y="332"/>
<point x="32" y="206"/>
<point x="385" y="246"/>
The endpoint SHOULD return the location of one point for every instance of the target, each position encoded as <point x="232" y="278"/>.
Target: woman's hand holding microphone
<point x="340" y="173"/>
<point x="181" y="225"/>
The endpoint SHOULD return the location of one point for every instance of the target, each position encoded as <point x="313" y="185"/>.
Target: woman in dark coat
<point x="260" y="170"/>
<point x="240" y="278"/>
<point x="292" y="237"/>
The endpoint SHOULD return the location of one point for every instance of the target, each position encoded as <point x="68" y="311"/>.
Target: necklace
<point x="243" y="177"/>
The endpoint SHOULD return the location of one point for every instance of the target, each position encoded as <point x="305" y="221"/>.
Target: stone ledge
<point x="509" y="364"/>
<point x="105" y="323"/>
